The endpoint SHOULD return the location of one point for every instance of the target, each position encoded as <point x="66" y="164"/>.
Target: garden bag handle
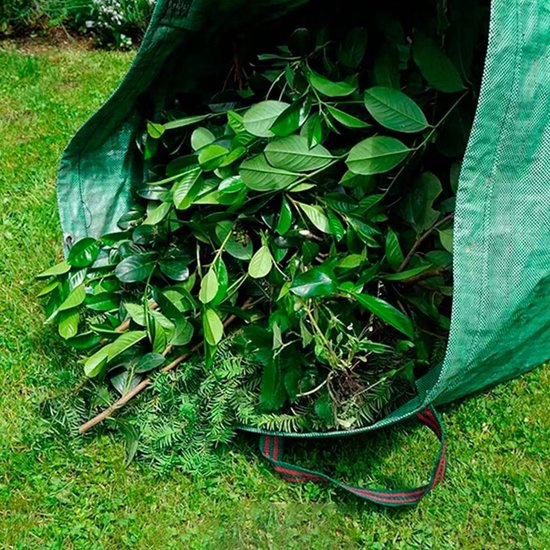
<point x="271" y="447"/>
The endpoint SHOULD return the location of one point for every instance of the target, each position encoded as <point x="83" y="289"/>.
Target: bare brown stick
<point x="415" y="246"/>
<point x="147" y="381"/>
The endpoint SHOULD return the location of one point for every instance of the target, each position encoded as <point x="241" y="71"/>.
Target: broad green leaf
<point x="352" y="49"/>
<point x="316" y="216"/>
<point x="435" y="66"/>
<point x="351" y="261"/>
<point x="212" y="327"/>
<point x="201" y="137"/>
<point x="261" y="116"/>
<point x="135" y="268"/>
<point x="123" y="382"/>
<point x="407" y="274"/>
<point x="293" y="153"/>
<point x="149" y="361"/>
<point x="104" y="301"/>
<point x="376" y="155"/>
<point x="261" y="263"/>
<point x="175" y="269"/>
<point x="329" y="88"/>
<point x="314" y="130"/>
<point x="318" y="281"/>
<point x="285" y="218"/>
<point x="336" y="227"/>
<point x="59" y="269"/>
<point x="259" y="175"/>
<point x="212" y="156"/>
<point x="446" y="238"/>
<point x="209" y="287"/>
<point x="155" y="130"/>
<point x="394" y="110"/>
<point x="68" y="323"/>
<point x="74" y="299"/>
<point x="183" y="332"/>
<point x="182" y="122"/>
<point x="186" y="188"/>
<point x="233" y="156"/>
<point x="347" y="120"/>
<point x="157" y="214"/>
<point x="394" y="254"/>
<point x="83" y="341"/>
<point x="291" y="119"/>
<point x="50" y="287"/>
<point x="94" y="364"/>
<point x="417" y="205"/>
<point x="84" y="252"/>
<point x="388" y="313"/>
<point x="158" y="336"/>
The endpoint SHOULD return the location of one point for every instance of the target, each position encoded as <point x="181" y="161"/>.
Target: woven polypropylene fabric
<point x="501" y="306"/>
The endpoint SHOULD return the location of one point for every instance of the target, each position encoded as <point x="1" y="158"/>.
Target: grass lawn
<point x="70" y="492"/>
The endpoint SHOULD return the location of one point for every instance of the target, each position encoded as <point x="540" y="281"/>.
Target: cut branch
<point x="119" y="403"/>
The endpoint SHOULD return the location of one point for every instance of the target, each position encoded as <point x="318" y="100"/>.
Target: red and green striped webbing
<point x="272" y="449"/>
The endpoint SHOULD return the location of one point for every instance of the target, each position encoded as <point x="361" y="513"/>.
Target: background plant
<point x="111" y="23"/>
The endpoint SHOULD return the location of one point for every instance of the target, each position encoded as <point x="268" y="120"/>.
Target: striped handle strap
<point x="272" y="449"/>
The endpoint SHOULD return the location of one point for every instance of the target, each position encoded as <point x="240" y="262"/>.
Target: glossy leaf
<point x="157" y="214"/>
<point x="183" y="122"/>
<point x="186" y="187"/>
<point x="388" y="313"/>
<point x="345" y="119"/>
<point x="74" y="299"/>
<point x="293" y="153"/>
<point x="149" y="361"/>
<point x="394" y="254"/>
<point x="316" y="216"/>
<point x="394" y="110"/>
<point x="94" y="364"/>
<point x="261" y="116"/>
<point x="212" y="326"/>
<point x="259" y="175"/>
<point x="435" y="65"/>
<point x="201" y="137"/>
<point x="318" y="281"/>
<point x="376" y="155"/>
<point x="261" y="263"/>
<point x="209" y="287"/>
<point x="212" y="156"/>
<point x="285" y="218"/>
<point x="136" y="268"/>
<point x="68" y="323"/>
<point x="84" y="252"/>
<point x="59" y="269"/>
<point x="329" y="88"/>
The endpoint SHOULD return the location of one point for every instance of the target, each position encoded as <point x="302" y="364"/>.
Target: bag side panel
<point x="501" y="309"/>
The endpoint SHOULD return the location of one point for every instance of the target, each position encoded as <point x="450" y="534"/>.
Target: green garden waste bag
<point x="500" y="325"/>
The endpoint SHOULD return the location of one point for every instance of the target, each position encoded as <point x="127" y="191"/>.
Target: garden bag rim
<point x="98" y="160"/>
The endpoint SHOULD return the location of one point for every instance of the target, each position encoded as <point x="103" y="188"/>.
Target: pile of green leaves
<point x="302" y="220"/>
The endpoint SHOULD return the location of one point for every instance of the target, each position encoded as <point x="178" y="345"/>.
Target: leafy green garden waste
<point x="500" y="323"/>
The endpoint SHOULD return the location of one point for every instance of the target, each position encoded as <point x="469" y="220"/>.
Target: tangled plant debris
<point x="290" y="249"/>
